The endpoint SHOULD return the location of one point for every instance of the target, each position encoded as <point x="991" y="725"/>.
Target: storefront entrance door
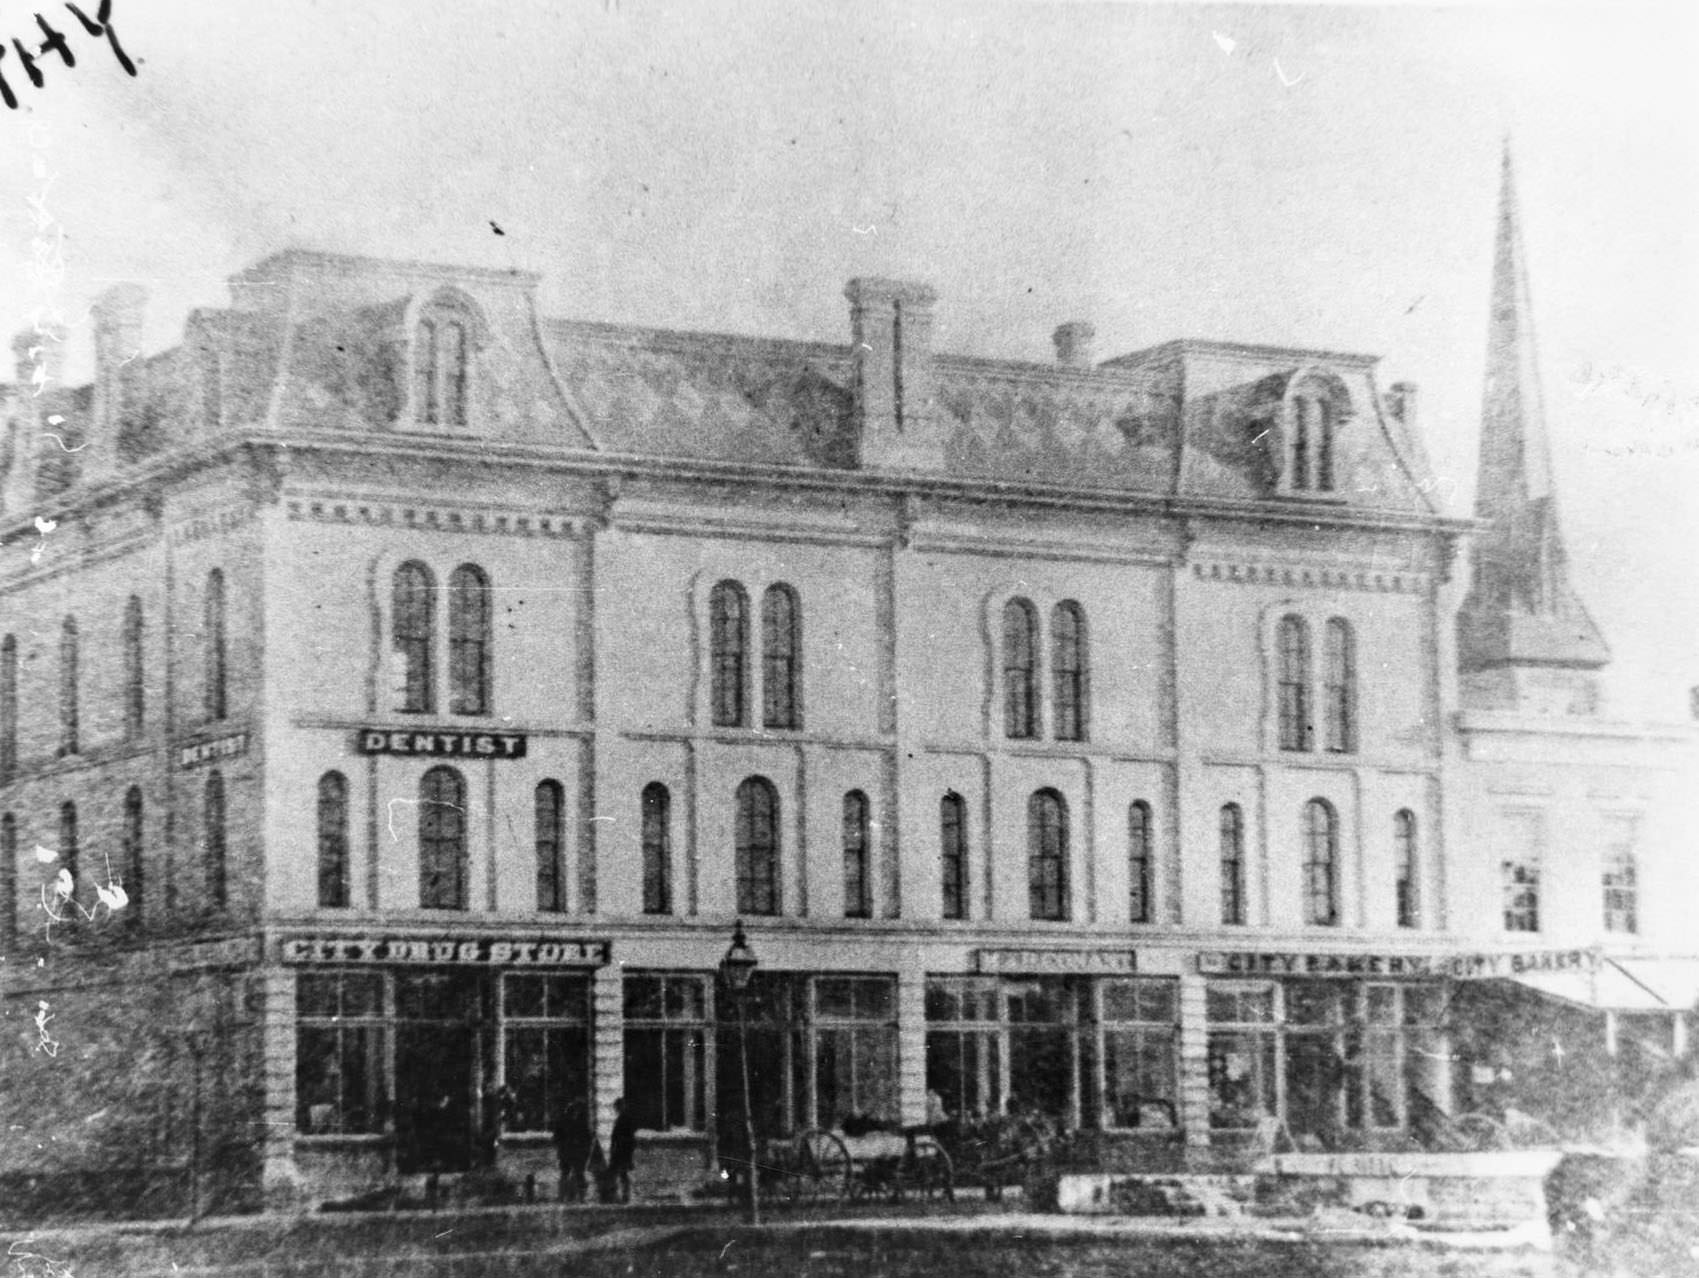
<point x="1315" y="1079"/>
<point x="438" y="1069"/>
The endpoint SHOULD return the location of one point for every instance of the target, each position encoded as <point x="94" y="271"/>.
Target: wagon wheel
<point x="934" y="1173"/>
<point x="823" y="1166"/>
<point x="1477" y="1131"/>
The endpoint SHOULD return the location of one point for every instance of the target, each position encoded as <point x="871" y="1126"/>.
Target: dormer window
<point x="1316" y="406"/>
<point x="441" y="348"/>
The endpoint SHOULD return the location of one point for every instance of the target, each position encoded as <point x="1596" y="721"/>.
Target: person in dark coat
<point x="622" y="1151"/>
<point x="573" y="1140"/>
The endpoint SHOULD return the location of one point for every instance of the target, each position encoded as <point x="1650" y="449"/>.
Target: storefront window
<point x="666" y="1036"/>
<point x="964" y="1046"/>
<point x="340" y="1075"/>
<point x="1138" y="1025"/>
<point x="545" y="1046"/>
<point x="855" y="1048"/>
<point x="1242" y="1055"/>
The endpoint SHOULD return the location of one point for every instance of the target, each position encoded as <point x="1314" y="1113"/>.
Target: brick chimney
<point x="891" y="336"/>
<point x="38" y="362"/>
<point x="1401" y="399"/>
<point x="117" y="315"/>
<point x="1074" y="343"/>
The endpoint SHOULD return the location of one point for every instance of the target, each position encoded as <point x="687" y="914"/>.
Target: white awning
<point x="1624" y="985"/>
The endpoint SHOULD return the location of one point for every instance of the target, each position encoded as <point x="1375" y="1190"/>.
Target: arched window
<point x="1047" y="855"/>
<point x="217" y="868"/>
<point x="442" y="840"/>
<point x="68" y="743"/>
<point x="781" y="658"/>
<point x="413" y="624"/>
<point x="8" y="882"/>
<point x="551" y="879"/>
<point x="333" y="841"/>
<point x="133" y="882"/>
<point x="1406" y="881"/>
<point x="1321" y="863"/>
<point x="952" y="840"/>
<point x="1069" y="668"/>
<point x="427" y="406"/>
<point x="728" y="641"/>
<point x="858" y="893"/>
<point x="8" y="707"/>
<point x="657" y="804"/>
<point x="440" y="357"/>
<point x="213" y="701"/>
<point x="468" y="641"/>
<point x="1341" y="687"/>
<point x="1139" y="862"/>
<point x="68" y="841"/>
<point x="1232" y="864"/>
<point x="1314" y="422"/>
<point x="1020" y="669"/>
<point x="135" y="687"/>
<point x="757" y="838"/>
<point x="1297" y="731"/>
<point x="451" y="359"/>
<point x="1302" y="424"/>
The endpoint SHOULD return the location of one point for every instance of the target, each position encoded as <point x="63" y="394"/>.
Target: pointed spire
<point x="1521" y="611"/>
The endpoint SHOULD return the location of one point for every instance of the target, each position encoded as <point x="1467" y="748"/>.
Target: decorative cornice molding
<point x="434" y="517"/>
<point x="1397" y="583"/>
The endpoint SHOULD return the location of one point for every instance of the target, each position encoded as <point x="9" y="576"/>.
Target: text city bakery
<point x="1458" y="967"/>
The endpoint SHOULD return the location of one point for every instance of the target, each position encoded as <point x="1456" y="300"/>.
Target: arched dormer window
<point x="442" y="351"/>
<point x="1317" y="405"/>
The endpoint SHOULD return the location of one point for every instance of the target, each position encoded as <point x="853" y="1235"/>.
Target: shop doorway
<point x="439" y="1066"/>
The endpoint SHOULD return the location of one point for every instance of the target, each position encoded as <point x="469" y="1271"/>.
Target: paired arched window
<point x="333" y="841"/>
<point x="1232" y="864"/>
<point x="657" y="805"/>
<point x="1070" y="670"/>
<point x="858" y="887"/>
<point x="1340" y="687"/>
<point x="1321" y="863"/>
<point x="214" y="701"/>
<point x="442" y="840"/>
<point x="68" y="692"/>
<point x="728" y="641"/>
<point x="1140" y="871"/>
<point x="757" y="839"/>
<point x="440" y="352"/>
<point x="8" y="882"/>
<point x="413" y="625"/>
<point x="135" y="684"/>
<point x="952" y="840"/>
<point x="469" y="641"/>
<point x="781" y="658"/>
<point x="8" y="707"/>
<point x="133" y="882"/>
<point x="217" y="860"/>
<point x="1047" y="855"/>
<point x="1314" y="426"/>
<point x="1406" y="869"/>
<point x="1297" y="731"/>
<point x="549" y="809"/>
<point x="68" y="853"/>
<point x="1020" y="669"/>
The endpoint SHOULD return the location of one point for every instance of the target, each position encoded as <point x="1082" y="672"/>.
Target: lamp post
<point x="737" y="967"/>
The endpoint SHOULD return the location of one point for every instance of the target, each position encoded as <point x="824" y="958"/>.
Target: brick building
<point x="439" y="681"/>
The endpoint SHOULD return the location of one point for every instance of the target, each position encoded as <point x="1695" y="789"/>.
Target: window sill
<point x="332" y="1140"/>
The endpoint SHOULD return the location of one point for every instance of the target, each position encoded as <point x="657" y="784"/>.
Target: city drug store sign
<point x="1484" y="965"/>
<point x="504" y="952"/>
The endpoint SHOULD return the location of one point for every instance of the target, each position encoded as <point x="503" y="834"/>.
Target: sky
<point x="1321" y="177"/>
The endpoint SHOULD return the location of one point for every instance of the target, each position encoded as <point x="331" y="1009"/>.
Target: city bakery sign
<point x="1462" y="966"/>
<point x="443" y="951"/>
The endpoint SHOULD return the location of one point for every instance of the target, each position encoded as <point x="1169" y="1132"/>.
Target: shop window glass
<point x="656" y="803"/>
<point x="964" y="1067"/>
<point x="341" y="1086"/>
<point x="855" y="1049"/>
<point x="1020" y="669"/>
<point x="545" y="1046"/>
<point x="1070" y="671"/>
<point x="1042" y="1044"/>
<point x="1139" y="1053"/>
<point x="1242" y="1054"/>
<point x="333" y="840"/>
<point x="549" y="802"/>
<point x="413" y="626"/>
<point x="469" y="653"/>
<point x="781" y="658"/>
<point x="442" y="840"/>
<point x="666" y="1035"/>
<point x="728" y="642"/>
<point x="858" y="896"/>
<point x="952" y="833"/>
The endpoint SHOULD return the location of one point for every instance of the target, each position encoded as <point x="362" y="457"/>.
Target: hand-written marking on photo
<point x="53" y="41"/>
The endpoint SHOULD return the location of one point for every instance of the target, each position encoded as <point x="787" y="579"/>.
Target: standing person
<point x="573" y="1140"/>
<point x="622" y="1150"/>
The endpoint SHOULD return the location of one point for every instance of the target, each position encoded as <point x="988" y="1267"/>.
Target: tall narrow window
<point x="68" y="734"/>
<point x="1523" y="842"/>
<point x="1139" y="862"/>
<point x="1406" y="869"/>
<point x="135" y="688"/>
<point x="728" y="642"/>
<point x="217" y="865"/>
<point x="1321" y="863"/>
<point x="452" y="361"/>
<point x="952" y="838"/>
<point x="212" y="390"/>
<point x="858" y="894"/>
<point x="1620" y="879"/>
<point x="1297" y="732"/>
<point x="1322" y="442"/>
<point x="1069" y="667"/>
<point x="468" y="641"/>
<point x="1047" y="855"/>
<point x="425" y="405"/>
<point x="781" y="658"/>
<point x="1020" y="669"/>
<point x="213" y="636"/>
<point x="1232" y="864"/>
<point x="68" y="855"/>
<point x="133" y="871"/>
<point x="8" y="707"/>
<point x="442" y="840"/>
<point x="757" y="837"/>
<point x="550" y="805"/>
<point x="657" y="807"/>
<point x="1341" y="689"/>
<point x="333" y="841"/>
<point x="413" y="626"/>
<point x="8" y="883"/>
<point x="1302" y="425"/>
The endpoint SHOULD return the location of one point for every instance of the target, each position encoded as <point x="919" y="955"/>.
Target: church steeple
<point x="1525" y="641"/>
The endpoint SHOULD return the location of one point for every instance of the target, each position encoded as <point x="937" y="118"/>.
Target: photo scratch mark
<point x="1282" y="74"/>
<point x="1227" y="43"/>
<point x="45" y="1042"/>
<point x="59" y="439"/>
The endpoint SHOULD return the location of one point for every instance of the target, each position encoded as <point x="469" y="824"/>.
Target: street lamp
<point x="737" y="967"/>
